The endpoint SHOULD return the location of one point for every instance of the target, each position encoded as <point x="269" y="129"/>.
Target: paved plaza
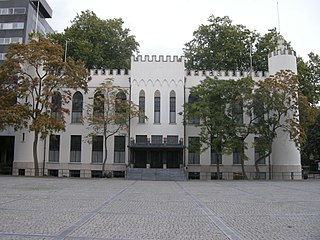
<point x="66" y="208"/>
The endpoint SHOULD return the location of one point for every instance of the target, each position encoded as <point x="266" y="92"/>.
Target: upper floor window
<point x="9" y="26"/>
<point x="193" y="119"/>
<point x="157" y="107"/>
<point x="98" y="105"/>
<point x="172" y="107"/>
<point x="237" y="112"/>
<point x="120" y="104"/>
<point x="77" y="106"/>
<point x="12" y="11"/>
<point x="142" y="104"/>
<point x="10" y="40"/>
<point x="56" y="105"/>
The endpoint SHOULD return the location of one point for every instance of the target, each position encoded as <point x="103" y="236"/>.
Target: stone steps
<point x="155" y="174"/>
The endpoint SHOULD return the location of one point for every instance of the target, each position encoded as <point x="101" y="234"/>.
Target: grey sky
<point x="163" y="27"/>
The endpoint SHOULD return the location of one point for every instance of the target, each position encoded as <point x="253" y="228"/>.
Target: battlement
<point x="110" y="72"/>
<point x="235" y="74"/>
<point x="282" y="51"/>
<point x="160" y="58"/>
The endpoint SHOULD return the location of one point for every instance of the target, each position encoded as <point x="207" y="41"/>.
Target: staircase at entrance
<point x="155" y="174"/>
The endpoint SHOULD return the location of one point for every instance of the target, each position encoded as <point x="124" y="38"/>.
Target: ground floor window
<point x="74" y="173"/>
<point x="97" y="149"/>
<point x="75" y="148"/>
<point x="194" y="150"/>
<point x="53" y="172"/>
<point x="54" y="148"/>
<point x="119" y="149"/>
<point x="194" y="175"/>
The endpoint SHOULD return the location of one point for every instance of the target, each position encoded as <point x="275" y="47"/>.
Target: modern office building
<point x="159" y="86"/>
<point x="19" y="18"/>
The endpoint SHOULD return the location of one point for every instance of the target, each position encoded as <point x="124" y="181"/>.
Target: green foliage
<point x="98" y="43"/>
<point x="222" y="45"/>
<point x="269" y="105"/>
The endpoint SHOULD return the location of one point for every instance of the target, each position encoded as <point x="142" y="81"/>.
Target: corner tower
<point x="285" y="155"/>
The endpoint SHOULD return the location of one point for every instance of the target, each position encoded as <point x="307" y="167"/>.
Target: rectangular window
<point x="119" y="149"/>
<point x="75" y="148"/>
<point x="54" y="148"/>
<point x="172" y="139"/>
<point x="97" y="149"/>
<point x="156" y="109"/>
<point x="10" y="26"/>
<point x="5" y="41"/>
<point x="215" y="157"/>
<point x="172" y="110"/>
<point x="141" y="139"/>
<point x="237" y="112"/>
<point x="142" y="109"/>
<point x="2" y="56"/>
<point x="194" y="150"/>
<point x="156" y="139"/>
<point x="258" y="152"/>
<point x="11" y="11"/>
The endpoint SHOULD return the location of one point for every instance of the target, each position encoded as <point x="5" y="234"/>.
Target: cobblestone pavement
<point x="105" y="209"/>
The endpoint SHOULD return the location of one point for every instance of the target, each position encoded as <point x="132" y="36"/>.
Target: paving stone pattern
<point x="110" y="209"/>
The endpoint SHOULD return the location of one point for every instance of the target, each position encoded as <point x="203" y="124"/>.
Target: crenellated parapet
<point x="110" y="72"/>
<point x="222" y="73"/>
<point x="160" y="58"/>
<point x="282" y="51"/>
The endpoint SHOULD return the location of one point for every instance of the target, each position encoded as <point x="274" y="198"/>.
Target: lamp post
<point x="65" y="51"/>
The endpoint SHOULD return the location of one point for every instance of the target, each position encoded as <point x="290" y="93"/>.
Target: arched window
<point x="56" y="105"/>
<point x="194" y="119"/>
<point x="157" y="107"/>
<point x="120" y="106"/>
<point x="77" y="106"/>
<point x="142" y="104"/>
<point x="172" y="107"/>
<point x="98" y="105"/>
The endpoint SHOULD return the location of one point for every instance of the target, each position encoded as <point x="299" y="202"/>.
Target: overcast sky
<point x="162" y="27"/>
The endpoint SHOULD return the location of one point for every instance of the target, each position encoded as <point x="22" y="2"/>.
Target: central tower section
<point x="157" y="87"/>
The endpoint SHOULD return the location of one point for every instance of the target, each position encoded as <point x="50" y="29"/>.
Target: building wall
<point x="163" y="74"/>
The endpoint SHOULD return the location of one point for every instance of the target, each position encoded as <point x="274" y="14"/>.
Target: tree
<point x="36" y="73"/>
<point x="276" y="109"/>
<point x="110" y="113"/>
<point x="98" y="43"/>
<point x="219" y="105"/>
<point x="222" y="45"/>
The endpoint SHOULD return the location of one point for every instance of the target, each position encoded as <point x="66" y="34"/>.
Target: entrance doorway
<point x="6" y="154"/>
<point x="174" y="158"/>
<point x="156" y="159"/>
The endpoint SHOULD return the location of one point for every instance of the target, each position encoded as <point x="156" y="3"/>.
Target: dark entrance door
<point x="6" y="154"/>
<point x="173" y="158"/>
<point x="156" y="159"/>
<point x="140" y="159"/>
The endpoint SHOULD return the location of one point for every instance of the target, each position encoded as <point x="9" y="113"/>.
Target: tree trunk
<point x="105" y="157"/>
<point x="218" y="166"/>
<point x="35" y="153"/>
<point x="243" y="171"/>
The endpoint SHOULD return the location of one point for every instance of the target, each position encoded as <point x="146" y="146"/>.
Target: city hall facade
<point x="159" y="85"/>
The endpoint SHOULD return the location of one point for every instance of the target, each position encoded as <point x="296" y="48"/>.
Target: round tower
<point x="285" y="159"/>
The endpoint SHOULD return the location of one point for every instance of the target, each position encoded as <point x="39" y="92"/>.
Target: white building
<point x="160" y="85"/>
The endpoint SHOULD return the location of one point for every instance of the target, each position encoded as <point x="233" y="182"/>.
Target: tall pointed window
<point x="120" y="102"/>
<point x="157" y="107"/>
<point x="98" y="105"/>
<point x="56" y="105"/>
<point x="172" y="107"/>
<point x="142" y="104"/>
<point x="77" y="106"/>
